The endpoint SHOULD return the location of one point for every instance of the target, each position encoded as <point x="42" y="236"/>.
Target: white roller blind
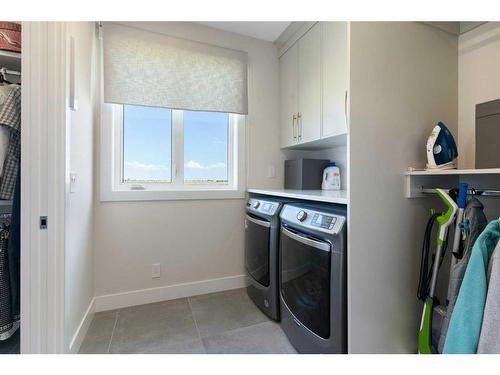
<point x="151" y="69"/>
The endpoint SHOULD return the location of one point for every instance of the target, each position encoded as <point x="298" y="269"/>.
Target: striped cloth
<point x="7" y="322"/>
<point x="10" y="116"/>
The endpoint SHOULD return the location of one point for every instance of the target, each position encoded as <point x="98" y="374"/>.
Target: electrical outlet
<point x="156" y="271"/>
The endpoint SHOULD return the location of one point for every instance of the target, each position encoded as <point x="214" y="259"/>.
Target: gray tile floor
<point x="223" y="323"/>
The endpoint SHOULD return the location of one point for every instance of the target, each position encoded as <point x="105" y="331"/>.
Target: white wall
<point x="479" y="81"/>
<point x="193" y="240"/>
<point x="403" y="79"/>
<point x="79" y="215"/>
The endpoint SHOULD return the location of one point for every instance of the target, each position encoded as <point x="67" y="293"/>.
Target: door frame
<point x="43" y="186"/>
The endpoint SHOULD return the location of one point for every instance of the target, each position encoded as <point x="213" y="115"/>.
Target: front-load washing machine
<point x="261" y="252"/>
<point x="313" y="282"/>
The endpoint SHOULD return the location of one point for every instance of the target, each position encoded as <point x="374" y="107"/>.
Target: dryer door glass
<point x="257" y="236"/>
<point x="305" y="280"/>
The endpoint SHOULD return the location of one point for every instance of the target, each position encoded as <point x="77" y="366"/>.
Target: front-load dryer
<point x="261" y="252"/>
<point x="313" y="282"/>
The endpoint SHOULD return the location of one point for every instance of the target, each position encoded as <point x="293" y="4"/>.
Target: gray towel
<point x="489" y="341"/>
<point x="476" y="222"/>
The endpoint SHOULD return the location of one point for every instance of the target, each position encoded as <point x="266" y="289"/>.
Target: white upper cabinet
<point x="288" y="96"/>
<point x="309" y="116"/>
<point x="313" y="86"/>
<point x="334" y="78"/>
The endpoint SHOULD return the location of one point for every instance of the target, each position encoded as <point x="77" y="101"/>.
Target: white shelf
<point x="327" y="196"/>
<point x="10" y="60"/>
<point x="12" y="55"/>
<point x="415" y="181"/>
<point x="453" y="172"/>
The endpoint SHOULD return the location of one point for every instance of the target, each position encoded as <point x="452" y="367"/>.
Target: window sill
<point x="169" y="195"/>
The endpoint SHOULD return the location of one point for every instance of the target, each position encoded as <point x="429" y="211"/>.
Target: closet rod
<point x="483" y="193"/>
<point x="5" y="71"/>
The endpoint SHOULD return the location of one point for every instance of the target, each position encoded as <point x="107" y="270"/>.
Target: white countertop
<point x="329" y="196"/>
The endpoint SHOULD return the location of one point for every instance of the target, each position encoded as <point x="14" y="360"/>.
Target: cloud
<point x="191" y="164"/>
<point x="145" y="167"/>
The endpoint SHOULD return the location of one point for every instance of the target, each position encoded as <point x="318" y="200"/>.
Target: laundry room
<point x="249" y="187"/>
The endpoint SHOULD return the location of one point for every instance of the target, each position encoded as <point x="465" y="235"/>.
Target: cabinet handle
<point x="293" y="126"/>
<point x="345" y="110"/>
<point x="299" y="125"/>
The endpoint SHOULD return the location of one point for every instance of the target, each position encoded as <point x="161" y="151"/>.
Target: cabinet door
<point x="334" y="78"/>
<point x="288" y="96"/>
<point x="310" y="85"/>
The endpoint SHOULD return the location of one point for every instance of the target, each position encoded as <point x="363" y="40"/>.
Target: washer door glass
<point x="305" y="279"/>
<point x="257" y="237"/>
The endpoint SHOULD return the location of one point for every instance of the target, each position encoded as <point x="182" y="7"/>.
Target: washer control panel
<point x="322" y="221"/>
<point x="259" y="205"/>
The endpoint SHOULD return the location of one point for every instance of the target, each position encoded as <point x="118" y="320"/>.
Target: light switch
<point x="72" y="182"/>
<point x="271" y="171"/>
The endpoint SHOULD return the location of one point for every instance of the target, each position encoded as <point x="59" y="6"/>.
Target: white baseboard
<point x="83" y="327"/>
<point x="165" y="293"/>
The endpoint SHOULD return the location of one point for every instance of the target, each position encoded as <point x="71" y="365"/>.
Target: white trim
<point x="82" y="329"/>
<point x="291" y="35"/>
<point x="43" y="163"/>
<point x="165" y="293"/>
<point x="57" y="185"/>
<point x="177" y="144"/>
<point x="478" y="37"/>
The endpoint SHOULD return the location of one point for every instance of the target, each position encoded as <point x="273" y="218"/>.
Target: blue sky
<point x="147" y="144"/>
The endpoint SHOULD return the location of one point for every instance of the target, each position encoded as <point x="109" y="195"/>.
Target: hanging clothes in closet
<point x="5" y="90"/>
<point x="489" y="341"/>
<point x="10" y="119"/>
<point x="474" y="222"/>
<point x="8" y="324"/>
<point x="472" y="326"/>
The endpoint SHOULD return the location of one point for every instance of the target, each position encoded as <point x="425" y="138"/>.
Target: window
<point x="152" y="153"/>
<point x="156" y="140"/>
<point x="147" y="144"/>
<point x="206" y="148"/>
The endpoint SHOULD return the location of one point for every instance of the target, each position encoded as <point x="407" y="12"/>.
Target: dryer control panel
<point x="323" y="221"/>
<point x="313" y="219"/>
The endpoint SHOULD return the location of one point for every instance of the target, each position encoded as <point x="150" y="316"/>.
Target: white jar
<point x="331" y="177"/>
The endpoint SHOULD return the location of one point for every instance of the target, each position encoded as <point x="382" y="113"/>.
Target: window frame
<point x="114" y="189"/>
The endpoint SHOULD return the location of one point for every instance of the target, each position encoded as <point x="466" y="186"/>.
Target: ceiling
<point x="269" y="31"/>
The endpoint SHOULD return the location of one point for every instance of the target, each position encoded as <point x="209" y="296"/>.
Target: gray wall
<point x="197" y="240"/>
<point x="79" y="216"/>
<point x="403" y="79"/>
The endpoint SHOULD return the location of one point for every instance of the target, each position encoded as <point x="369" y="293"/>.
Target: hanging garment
<point x="466" y="320"/>
<point x="4" y="131"/>
<point x="474" y="223"/>
<point x="14" y="251"/>
<point x="10" y="117"/>
<point x="8" y="325"/>
<point x="489" y="341"/>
